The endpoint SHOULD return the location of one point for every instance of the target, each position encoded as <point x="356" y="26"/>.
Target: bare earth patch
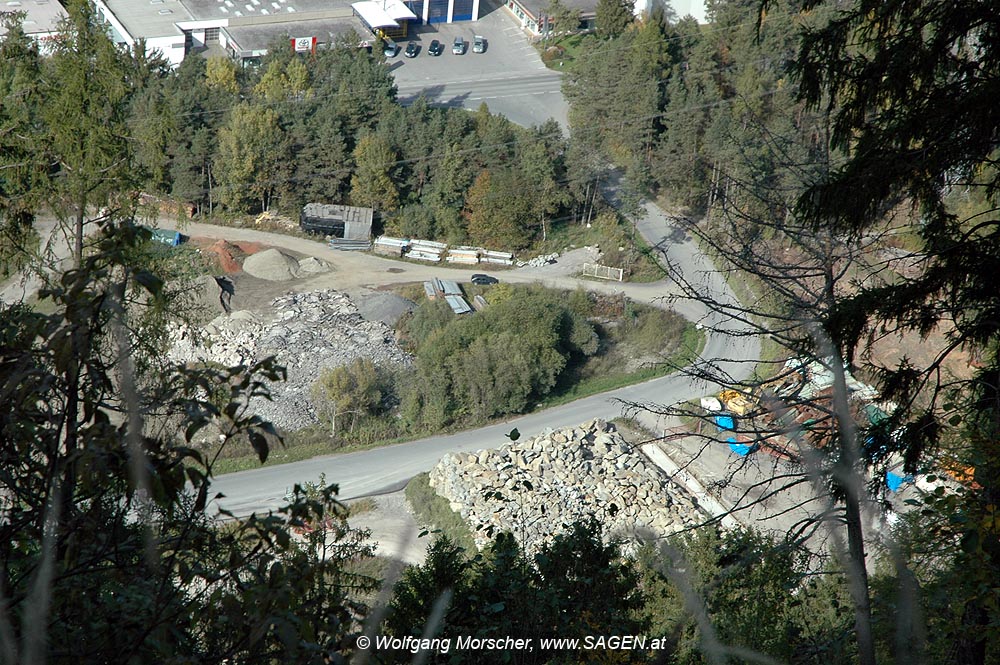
<point x="393" y="529"/>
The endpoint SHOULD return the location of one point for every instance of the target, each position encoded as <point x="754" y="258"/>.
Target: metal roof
<point x="374" y="15"/>
<point x="216" y="9"/>
<point x="41" y="16"/>
<point x="458" y="304"/>
<point x="383" y="13"/>
<point x="149" y="18"/>
<point x="450" y="288"/>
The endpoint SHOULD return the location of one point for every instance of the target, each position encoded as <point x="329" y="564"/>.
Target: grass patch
<point x="360" y="507"/>
<point x="560" y="53"/>
<point x="601" y="384"/>
<point x="609" y="231"/>
<point x="372" y="567"/>
<point x="633" y="431"/>
<point x="566" y="236"/>
<point x="647" y="268"/>
<point x="411" y="291"/>
<point x="433" y="511"/>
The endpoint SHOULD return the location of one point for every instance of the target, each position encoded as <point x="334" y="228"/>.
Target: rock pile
<point x="539" y="261"/>
<point x="308" y="332"/>
<point x="313" y="266"/>
<point x="536" y="487"/>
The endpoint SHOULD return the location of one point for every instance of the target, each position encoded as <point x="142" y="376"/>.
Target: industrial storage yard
<point x="312" y="313"/>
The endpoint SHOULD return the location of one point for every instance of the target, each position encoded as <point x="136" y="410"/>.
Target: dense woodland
<point x="700" y="112"/>
<point x="842" y="119"/>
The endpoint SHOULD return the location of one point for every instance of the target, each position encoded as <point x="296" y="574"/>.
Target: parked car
<point x="411" y="50"/>
<point x="484" y="280"/>
<point x="458" y="48"/>
<point x="479" y="44"/>
<point x="436" y="47"/>
<point x="390" y="49"/>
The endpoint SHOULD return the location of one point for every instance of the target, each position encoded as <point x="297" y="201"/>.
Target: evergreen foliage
<point x="612" y="17"/>
<point x="22" y="166"/>
<point x="577" y="585"/>
<point x="910" y="86"/>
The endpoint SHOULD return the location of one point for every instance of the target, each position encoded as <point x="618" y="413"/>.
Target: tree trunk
<point x="593" y="201"/>
<point x="81" y="214"/>
<point x="848" y="476"/>
<point x="858" y="581"/>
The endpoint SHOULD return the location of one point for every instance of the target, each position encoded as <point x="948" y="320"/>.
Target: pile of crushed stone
<point x="307" y="333"/>
<point x="272" y="265"/>
<point x="384" y="306"/>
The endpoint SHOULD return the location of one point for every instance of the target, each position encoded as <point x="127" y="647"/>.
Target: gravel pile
<point x="271" y="265"/>
<point x="384" y="306"/>
<point x="308" y="332"/>
<point x="313" y="266"/>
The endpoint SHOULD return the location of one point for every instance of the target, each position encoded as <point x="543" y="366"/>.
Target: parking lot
<point x="509" y="76"/>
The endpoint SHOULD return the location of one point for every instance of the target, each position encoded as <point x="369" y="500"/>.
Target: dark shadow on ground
<point x="435" y="97"/>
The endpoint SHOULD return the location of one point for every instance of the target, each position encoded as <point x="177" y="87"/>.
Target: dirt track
<point x="353" y="272"/>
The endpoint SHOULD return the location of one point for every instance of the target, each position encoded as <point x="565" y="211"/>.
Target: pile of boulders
<point x="307" y="333"/>
<point x="537" y="487"/>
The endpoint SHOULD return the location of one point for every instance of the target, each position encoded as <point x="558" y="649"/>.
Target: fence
<point x="603" y="272"/>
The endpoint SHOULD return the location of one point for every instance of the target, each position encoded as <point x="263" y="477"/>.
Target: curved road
<point x="390" y="467"/>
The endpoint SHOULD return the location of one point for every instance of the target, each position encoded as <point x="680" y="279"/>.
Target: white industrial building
<point x="41" y="19"/>
<point x="534" y="17"/>
<point x="245" y="28"/>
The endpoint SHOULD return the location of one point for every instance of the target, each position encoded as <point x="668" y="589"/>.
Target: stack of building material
<point x="458" y="304"/>
<point x="422" y="255"/>
<point x="426" y="250"/>
<point x="428" y="245"/>
<point x="430" y="291"/>
<point x="391" y="246"/>
<point x="449" y="287"/>
<point x="463" y="255"/>
<point x="500" y="258"/>
<point x="479" y="303"/>
<point x="350" y="245"/>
